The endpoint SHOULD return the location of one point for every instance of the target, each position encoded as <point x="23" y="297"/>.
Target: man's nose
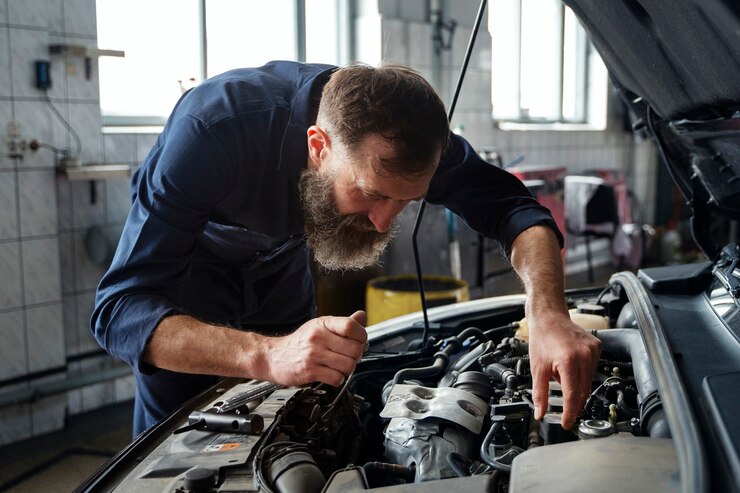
<point x="383" y="213"/>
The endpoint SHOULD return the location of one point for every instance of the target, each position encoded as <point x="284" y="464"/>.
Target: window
<point x="544" y="68"/>
<point x="172" y="45"/>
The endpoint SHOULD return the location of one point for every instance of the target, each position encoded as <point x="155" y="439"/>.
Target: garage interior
<point x="65" y="405"/>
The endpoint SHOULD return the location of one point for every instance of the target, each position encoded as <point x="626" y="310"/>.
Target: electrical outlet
<point x="15" y="145"/>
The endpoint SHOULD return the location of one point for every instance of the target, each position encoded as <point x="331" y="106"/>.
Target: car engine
<point x="455" y="413"/>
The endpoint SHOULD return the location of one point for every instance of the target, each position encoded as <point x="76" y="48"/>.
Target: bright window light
<point x="165" y="48"/>
<point x="249" y="33"/>
<point x="161" y="47"/>
<point x="543" y="69"/>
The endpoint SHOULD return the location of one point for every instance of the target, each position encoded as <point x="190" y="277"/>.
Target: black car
<point x="447" y="406"/>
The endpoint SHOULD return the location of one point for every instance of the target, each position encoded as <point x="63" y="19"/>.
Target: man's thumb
<point x="360" y="317"/>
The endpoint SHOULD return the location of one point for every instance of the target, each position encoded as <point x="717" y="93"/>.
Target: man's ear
<point x="318" y="146"/>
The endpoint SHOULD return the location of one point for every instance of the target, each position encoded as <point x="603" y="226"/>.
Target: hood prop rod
<point x="422" y="206"/>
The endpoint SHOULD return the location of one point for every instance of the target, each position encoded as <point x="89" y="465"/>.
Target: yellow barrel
<point x="390" y="296"/>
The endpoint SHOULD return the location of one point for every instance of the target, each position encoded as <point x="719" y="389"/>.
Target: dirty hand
<point x="325" y="349"/>
<point x="560" y="349"/>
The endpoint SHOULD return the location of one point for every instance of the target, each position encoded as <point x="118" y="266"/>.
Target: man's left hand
<point x="562" y="350"/>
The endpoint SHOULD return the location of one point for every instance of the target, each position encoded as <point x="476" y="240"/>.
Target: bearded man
<point x="211" y="276"/>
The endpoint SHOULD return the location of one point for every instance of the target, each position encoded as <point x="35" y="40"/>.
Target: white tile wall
<point x="8" y="206"/>
<point x="37" y="202"/>
<point x="13" y="359"/>
<point x="44" y="325"/>
<point x="3" y="13"/>
<point x="67" y="262"/>
<point x="64" y="201"/>
<point x="16" y="422"/>
<point x="41" y="274"/>
<point x="420" y="46"/>
<point x="119" y="148"/>
<point x="71" y="329"/>
<point x="5" y="87"/>
<point x="85" y="119"/>
<point x="395" y="42"/>
<point x="144" y="144"/>
<point x="85" y="304"/>
<point x="11" y="292"/>
<point x="85" y="212"/>
<point x="79" y="17"/>
<point x="118" y="196"/>
<point x="49" y="413"/>
<point x="87" y="273"/>
<point x="32" y="13"/>
<point x="6" y="116"/>
<point x="36" y="122"/>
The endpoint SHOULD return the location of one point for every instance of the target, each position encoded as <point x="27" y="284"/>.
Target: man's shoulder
<point x="268" y="88"/>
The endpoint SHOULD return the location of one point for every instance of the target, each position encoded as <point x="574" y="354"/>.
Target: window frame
<point x="582" y="87"/>
<point x="345" y="52"/>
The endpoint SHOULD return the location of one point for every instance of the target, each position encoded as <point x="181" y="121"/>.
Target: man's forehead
<point x="392" y="186"/>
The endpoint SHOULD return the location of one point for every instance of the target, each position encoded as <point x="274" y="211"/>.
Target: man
<point x="211" y="275"/>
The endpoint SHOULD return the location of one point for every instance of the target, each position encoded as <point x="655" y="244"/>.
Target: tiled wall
<point x="47" y="281"/>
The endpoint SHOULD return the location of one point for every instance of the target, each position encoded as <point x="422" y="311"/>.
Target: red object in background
<point x="546" y="183"/>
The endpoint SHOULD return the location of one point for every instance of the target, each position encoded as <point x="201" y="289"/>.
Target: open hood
<point x="676" y="65"/>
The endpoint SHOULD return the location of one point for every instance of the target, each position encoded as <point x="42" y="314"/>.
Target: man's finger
<point x="569" y="380"/>
<point x="360" y="317"/>
<point x="540" y="389"/>
<point x="348" y="327"/>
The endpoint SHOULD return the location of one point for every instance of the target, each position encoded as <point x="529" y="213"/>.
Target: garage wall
<point x="47" y="281"/>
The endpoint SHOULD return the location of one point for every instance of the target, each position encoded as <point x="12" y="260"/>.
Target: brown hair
<point x="393" y="101"/>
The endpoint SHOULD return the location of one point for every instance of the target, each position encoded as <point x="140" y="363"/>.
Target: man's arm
<point x="558" y="348"/>
<point x="324" y="349"/>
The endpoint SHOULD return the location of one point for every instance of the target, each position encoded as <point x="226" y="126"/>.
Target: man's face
<point x="349" y="203"/>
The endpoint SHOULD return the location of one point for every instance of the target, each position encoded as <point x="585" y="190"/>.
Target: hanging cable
<point x="422" y="206"/>
<point x="69" y="128"/>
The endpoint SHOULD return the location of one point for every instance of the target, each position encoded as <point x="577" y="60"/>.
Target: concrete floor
<point x="61" y="461"/>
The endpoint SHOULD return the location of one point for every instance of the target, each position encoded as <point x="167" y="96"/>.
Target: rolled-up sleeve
<point x="179" y="185"/>
<point x="489" y="199"/>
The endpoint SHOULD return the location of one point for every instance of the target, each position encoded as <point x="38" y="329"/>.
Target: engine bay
<point x="454" y="414"/>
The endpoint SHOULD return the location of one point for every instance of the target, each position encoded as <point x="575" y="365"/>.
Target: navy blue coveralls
<point x="215" y="229"/>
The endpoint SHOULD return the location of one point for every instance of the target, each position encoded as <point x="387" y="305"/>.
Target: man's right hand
<point x="325" y="349"/>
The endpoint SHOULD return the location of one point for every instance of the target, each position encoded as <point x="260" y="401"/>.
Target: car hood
<point x="676" y="65"/>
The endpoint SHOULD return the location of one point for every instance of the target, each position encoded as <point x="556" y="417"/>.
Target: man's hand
<point x="557" y="347"/>
<point x="325" y="349"/>
<point x="560" y="349"/>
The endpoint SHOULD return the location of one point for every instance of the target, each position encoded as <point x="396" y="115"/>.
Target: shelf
<point x="95" y="171"/>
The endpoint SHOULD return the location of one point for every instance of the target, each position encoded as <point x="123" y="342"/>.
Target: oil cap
<point x="594" y="428"/>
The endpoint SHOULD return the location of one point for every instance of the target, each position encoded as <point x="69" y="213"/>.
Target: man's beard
<point x="336" y="242"/>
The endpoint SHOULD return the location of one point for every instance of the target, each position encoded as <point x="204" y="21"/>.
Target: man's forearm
<point x="184" y="344"/>
<point x="536" y="259"/>
<point x="324" y="349"/>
